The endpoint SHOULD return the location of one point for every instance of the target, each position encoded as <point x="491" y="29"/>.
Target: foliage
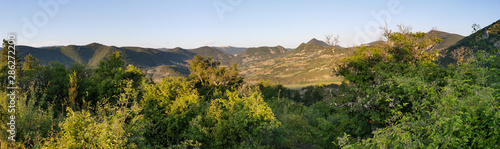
<point x="232" y="121"/>
<point x="216" y="117"/>
<point x="169" y="106"/>
<point x="116" y="126"/>
<point x="464" y="114"/>
<point x="207" y="75"/>
<point x="107" y="78"/>
<point x="32" y="122"/>
<point x="416" y="104"/>
<point x="393" y="96"/>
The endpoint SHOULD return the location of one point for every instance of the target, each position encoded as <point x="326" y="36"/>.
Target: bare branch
<point x="332" y="41"/>
<point x="404" y="29"/>
<point x="386" y="34"/>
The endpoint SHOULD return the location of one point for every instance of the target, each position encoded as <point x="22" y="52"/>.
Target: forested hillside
<point x="394" y="95"/>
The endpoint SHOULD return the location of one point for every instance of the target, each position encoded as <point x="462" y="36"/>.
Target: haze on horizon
<point x="240" y="23"/>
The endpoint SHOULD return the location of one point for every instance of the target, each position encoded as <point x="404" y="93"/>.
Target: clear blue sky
<point x="243" y="23"/>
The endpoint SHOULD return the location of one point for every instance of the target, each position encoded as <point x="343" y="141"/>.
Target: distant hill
<point x="44" y="54"/>
<point x="487" y="39"/>
<point x="315" y="41"/>
<point x="310" y="62"/>
<point x="155" y="63"/>
<point x="181" y="51"/>
<point x="231" y="50"/>
<point x="93" y="53"/>
<point x="448" y="38"/>
<point x="206" y="51"/>
<point x="313" y="45"/>
<point x="255" y="55"/>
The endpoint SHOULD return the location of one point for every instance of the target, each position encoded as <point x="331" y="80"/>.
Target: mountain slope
<point x="155" y="63"/>
<point x="256" y="55"/>
<point x="180" y="51"/>
<point x="315" y="41"/>
<point x="45" y="55"/>
<point x="206" y="51"/>
<point x="448" y="39"/>
<point x="310" y="62"/>
<point x="487" y="39"/>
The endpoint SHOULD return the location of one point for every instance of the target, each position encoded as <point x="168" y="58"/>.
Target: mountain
<point x="256" y="55"/>
<point x="487" y="39"/>
<point x="206" y="51"/>
<point x="171" y="62"/>
<point x="181" y="51"/>
<point x="311" y="62"/>
<point x="315" y="41"/>
<point x="231" y="50"/>
<point x="448" y="39"/>
<point x="307" y="64"/>
<point x="44" y="54"/>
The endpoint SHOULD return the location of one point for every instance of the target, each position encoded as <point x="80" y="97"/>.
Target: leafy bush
<point x="113" y="126"/>
<point x="33" y="124"/>
<point x="169" y="106"/>
<point x="464" y="114"/>
<point x="233" y="121"/>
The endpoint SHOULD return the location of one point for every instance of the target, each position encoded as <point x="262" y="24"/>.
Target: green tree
<point x="106" y="81"/>
<point x="208" y="75"/>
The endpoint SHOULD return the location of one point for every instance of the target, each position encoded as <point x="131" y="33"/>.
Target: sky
<point x="241" y="23"/>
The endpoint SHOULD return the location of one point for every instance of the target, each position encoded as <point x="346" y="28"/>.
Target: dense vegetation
<point x="394" y="96"/>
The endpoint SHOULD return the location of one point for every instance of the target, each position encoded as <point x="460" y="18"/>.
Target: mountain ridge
<point x="309" y="62"/>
